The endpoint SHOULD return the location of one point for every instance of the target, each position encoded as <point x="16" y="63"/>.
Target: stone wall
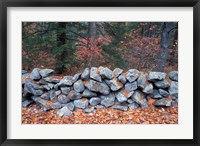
<point x="98" y="88"/>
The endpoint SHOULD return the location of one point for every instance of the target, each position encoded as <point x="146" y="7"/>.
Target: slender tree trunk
<point x="92" y="33"/>
<point x="61" y="40"/>
<point x="92" y="37"/>
<point x="166" y="39"/>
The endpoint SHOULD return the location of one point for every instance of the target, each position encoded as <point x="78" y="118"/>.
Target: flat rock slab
<point x="53" y="79"/>
<point x="33" y="88"/>
<point x="88" y="93"/>
<point x="120" y="107"/>
<point x="97" y="87"/>
<point x="162" y="84"/>
<point x="45" y="72"/>
<point x="164" y="93"/>
<point x="163" y="102"/>
<point x="156" y="76"/>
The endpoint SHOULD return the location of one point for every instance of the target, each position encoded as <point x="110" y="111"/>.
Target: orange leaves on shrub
<point x="91" y="48"/>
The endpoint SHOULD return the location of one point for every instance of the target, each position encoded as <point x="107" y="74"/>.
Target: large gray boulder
<point x="66" y="81"/>
<point x="139" y="98"/>
<point x="76" y="77"/>
<point x="42" y="82"/>
<point x="173" y="75"/>
<point x="123" y="95"/>
<point x="114" y="84"/>
<point x="70" y="106"/>
<point x="73" y="95"/>
<point x="122" y="78"/>
<point x="141" y="81"/>
<point x="131" y="86"/>
<point x="64" y="112"/>
<point x="133" y="105"/>
<point x="163" y="102"/>
<point x="94" y="101"/>
<point x="130" y="100"/>
<point x="45" y="96"/>
<point x="108" y="100"/>
<point x="65" y="90"/>
<point x="156" y="76"/>
<point x="132" y="75"/>
<point x="33" y="88"/>
<point x="121" y="107"/>
<point x="95" y="74"/>
<point x="79" y="86"/>
<point x="162" y="84"/>
<point x="63" y="99"/>
<point x="45" y="72"/>
<point x="81" y="103"/>
<point x="35" y="75"/>
<point x="97" y="87"/>
<point x="50" y="85"/>
<point x="88" y="93"/>
<point x="117" y="72"/>
<point x="56" y="105"/>
<point x="156" y="94"/>
<point x="148" y="89"/>
<point x="164" y="93"/>
<point x="45" y="104"/>
<point x="89" y="109"/>
<point x="86" y="74"/>
<point x="54" y="94"/>
<point x="173" y="89"/>
<point x="106" y="73"/>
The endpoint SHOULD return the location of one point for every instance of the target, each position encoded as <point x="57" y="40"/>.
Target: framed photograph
<point x="99" y="72"/>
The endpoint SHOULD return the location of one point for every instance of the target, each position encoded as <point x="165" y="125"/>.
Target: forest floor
<point x="34" y="115"/>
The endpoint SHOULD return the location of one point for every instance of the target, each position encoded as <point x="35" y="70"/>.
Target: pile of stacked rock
<point x="98" y="88"/>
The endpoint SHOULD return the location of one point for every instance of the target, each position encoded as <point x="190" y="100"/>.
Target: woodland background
<point x="69" y="47"/>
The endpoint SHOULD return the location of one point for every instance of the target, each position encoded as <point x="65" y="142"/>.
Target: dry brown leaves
<point x="34" y="115"/>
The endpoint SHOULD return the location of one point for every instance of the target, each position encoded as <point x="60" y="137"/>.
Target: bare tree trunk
<point x="61" y="40"/>
<point x="92" y="33"/>
<point x="166" y="39"/>
<point x="92" y="37"/>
